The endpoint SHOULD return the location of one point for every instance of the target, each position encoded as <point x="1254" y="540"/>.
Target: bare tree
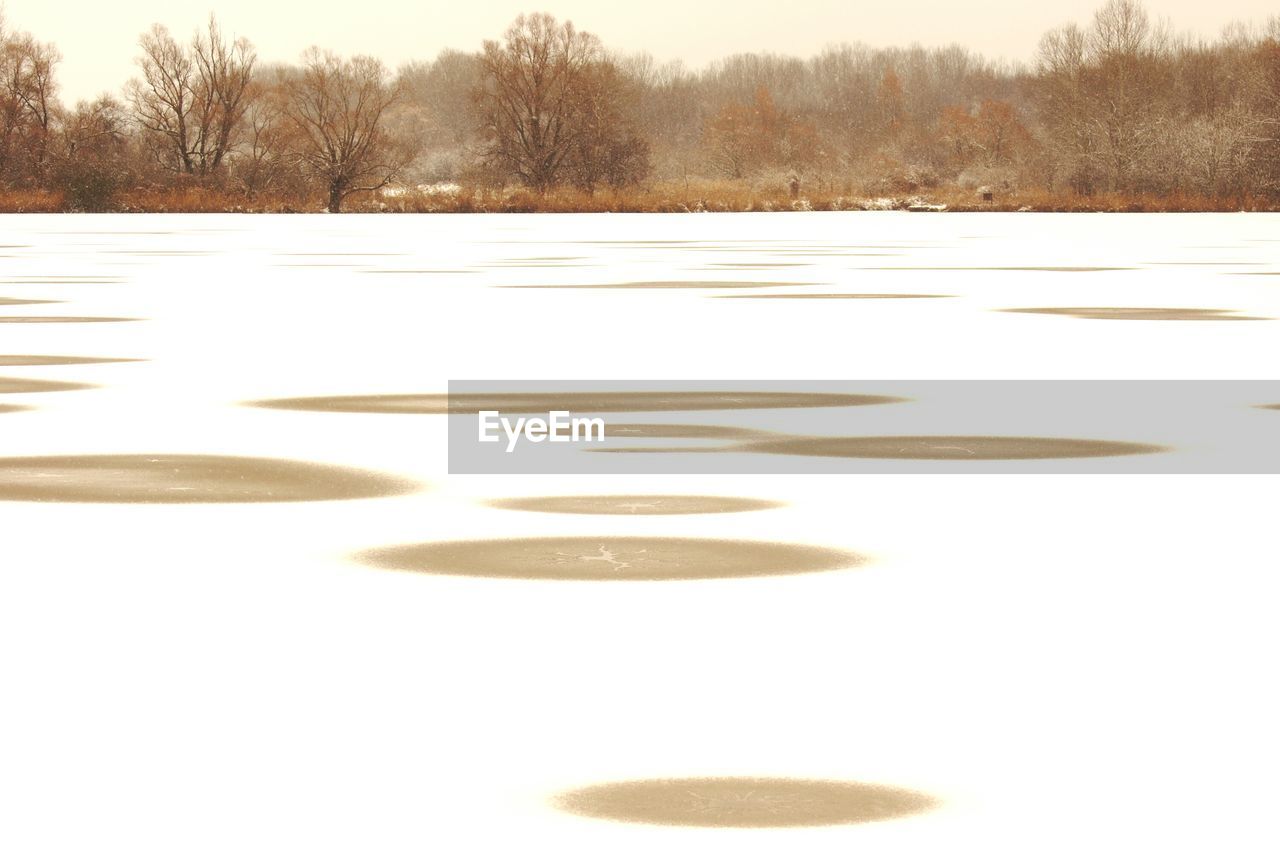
<point x="1061" y="95"/>
<point x="262" y="161"/>
<point x="439" y="109"/>
<point x="28" y="106"/>
<point x="1102" y="96"/>
<point x="608" y="149"/>
<point x="94" y="128"/>
<point x="1126" y="52"/>
<point x="191" y="101"/>
<point x="667" y="106"/>
<point x="335" y="110"/>
<point x="93" y="157"/>
<point x="443" y="89"/>
<point x="1266" y="95"/>
<point x="550" y="98"/>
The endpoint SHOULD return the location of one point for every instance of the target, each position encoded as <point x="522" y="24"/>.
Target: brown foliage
<point x="991" y="135"/>
<point x="743" y="139"/>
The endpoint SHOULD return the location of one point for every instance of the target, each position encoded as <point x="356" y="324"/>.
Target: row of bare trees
<point x="201" y="112"/>
<point x="203" y="109"/>
<point x="1125" y="105"/>
<point x="1120" y="105"/>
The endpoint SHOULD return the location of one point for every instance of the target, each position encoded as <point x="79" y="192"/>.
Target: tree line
<point x="1120" y="105"/>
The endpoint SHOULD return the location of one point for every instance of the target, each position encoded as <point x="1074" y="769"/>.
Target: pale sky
<point x="98" y="38"/>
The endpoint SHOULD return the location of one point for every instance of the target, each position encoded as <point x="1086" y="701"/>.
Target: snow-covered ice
<point x="1066" y="663"/>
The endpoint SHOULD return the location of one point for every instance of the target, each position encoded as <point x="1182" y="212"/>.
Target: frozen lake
<point x="1049" y="662"/>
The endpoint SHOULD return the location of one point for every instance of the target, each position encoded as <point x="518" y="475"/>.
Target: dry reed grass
<point x="670" y="197"/>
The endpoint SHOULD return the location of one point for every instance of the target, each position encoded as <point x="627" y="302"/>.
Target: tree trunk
<point x="335" y="197"/>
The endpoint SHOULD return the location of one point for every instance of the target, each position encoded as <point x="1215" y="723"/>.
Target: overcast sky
<point x="98" y="38"/>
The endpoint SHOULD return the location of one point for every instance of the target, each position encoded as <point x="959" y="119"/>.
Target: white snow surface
<point x="1068" y="663"/>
